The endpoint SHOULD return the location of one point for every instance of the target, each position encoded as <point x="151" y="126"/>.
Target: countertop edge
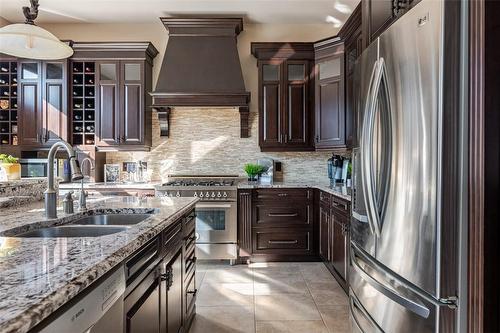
<point x="325" y="188"/>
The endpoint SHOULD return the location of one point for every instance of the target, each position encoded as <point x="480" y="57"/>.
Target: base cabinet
<point x="157" y="284"/>
<point x="334" y="235"/>
<point x="277" y="224"/>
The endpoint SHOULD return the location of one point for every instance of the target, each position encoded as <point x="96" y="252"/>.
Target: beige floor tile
<point x="239" y="274"/>
<point x="291" y="326"/>
<point x="328" y="293"/>
<point x="225" y="293"/>
<point x="279" y="284"/>
<point x="286" y="307"/>
<point x="223" y="319"/>
<point x="336" y="318"/>
<point x="317" y="273"/>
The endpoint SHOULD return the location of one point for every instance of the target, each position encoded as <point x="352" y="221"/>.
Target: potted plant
<point x="11" y="166"/>
<point x="253" y="171"/>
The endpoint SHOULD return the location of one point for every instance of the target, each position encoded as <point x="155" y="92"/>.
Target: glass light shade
<point x="32" y="42"/>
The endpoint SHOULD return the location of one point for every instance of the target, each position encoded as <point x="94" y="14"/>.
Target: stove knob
<point x="195" y="194"/>
<point x="201" y="194"/>
<point x="219" y="195"/>
<point x="207" y="195"/>
<point x="213" y="194"/>
<point x="177" y="194"/>
<point x="224" y="195"/>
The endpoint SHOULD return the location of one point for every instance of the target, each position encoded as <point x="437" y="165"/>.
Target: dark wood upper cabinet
<point x="286" y="95"/>
<point x="42" y="102"/>
<point x="330" y="107"/>
<point x="378" y="15"/>
<point x="108" y="103"/>
<point x="123" y="75"/>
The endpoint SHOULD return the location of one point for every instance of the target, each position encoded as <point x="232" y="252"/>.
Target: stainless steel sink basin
<point x="73" y="231"/>
<point x="111" y="219"/>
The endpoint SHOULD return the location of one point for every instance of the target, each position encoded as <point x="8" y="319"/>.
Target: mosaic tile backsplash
<point x="207" y="141"/>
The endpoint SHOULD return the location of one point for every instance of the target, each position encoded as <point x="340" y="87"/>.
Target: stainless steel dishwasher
<point x="99" y="310"/>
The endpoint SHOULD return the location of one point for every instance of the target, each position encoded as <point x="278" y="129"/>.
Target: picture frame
<point x="111" y="173"/>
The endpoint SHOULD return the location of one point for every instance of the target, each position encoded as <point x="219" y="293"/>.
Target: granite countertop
<point x="22" y="191"/>
<point x="340" y="191"/>
<point x="38" y="275"/>
<point x="115" y="186"/>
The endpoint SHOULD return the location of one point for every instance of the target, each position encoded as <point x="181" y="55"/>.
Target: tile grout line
<point x="314" y="301"/>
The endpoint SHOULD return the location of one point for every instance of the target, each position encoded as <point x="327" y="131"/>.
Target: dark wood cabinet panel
<point x="286" y="96"/>
<point x="142" y="306"/>
<point x="132" y="92"/>
<point x="245" y="222"/>
<point x="271" y="116"/>
<point x="330" y="113"/>
<point x="175" y="294"/>
<point x="108" y="101"/>
<point x="339" y="248"/>
<point x="334" y="217"/>
<point x="54" y="102"/>
<point x="324" y="232"/>
<point x="282" y="241"/>
<point x="30" y="114"/>
<point x="276" y="215"/>
<point x="277" y="224"/>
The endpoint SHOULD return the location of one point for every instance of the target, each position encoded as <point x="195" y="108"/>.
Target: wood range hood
<point x="201" y="67"/>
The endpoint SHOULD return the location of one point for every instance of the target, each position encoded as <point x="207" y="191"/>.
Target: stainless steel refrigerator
<point x="399" y="271"/>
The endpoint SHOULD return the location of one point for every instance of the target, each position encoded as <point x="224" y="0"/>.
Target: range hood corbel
<point x="201" y="66"/>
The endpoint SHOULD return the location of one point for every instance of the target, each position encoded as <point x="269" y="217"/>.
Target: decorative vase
<point x="253" y="178"/>
<point x="13" y="170"/>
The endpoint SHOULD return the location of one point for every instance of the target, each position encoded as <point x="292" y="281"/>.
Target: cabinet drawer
<point x="172" y="241"/>
<point x="140" y="261"/>
<point x="279" y="215"/>
<point x="283" y="194"/>
<point x="283" y="239"/>
<point x="341" y="206"/>
<point x="325" y="198"/>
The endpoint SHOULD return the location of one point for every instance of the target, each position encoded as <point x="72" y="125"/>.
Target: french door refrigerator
<point x="399" y="275"/>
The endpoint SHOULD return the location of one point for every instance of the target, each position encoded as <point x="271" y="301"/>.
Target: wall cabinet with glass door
<point x="286" y="95"/>
<point x="330" y="109"/>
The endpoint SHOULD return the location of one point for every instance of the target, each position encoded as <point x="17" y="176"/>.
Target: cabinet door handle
<point x="192" y="292"/>
<point x="283" y="241"/>
<point x="336" y="204"/>
<point x="317" y="138"/>
<point x="168" y="277"/>
<point x="193" y="260"/>
<point x="282" y="215"/>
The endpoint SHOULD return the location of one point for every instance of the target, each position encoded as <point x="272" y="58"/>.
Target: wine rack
<point x="83" y="102"/>
<point x="8" y="103"/>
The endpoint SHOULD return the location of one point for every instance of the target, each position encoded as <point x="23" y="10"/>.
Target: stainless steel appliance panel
<point x="362" y="231"/>
<point x="216" y="222"/>
<point x="409" y="60"/>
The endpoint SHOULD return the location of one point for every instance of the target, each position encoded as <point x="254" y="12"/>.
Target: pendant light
<point x="26" y="40"/>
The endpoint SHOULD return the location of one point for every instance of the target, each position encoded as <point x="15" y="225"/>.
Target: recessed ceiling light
<point x="343" y="8"/>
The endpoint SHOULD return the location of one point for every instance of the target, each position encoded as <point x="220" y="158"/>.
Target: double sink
<point x="88" y="226"/>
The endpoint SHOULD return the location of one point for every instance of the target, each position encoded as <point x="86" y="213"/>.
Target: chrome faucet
<point x="51" y="194"/>
<point x="83" y="194"/>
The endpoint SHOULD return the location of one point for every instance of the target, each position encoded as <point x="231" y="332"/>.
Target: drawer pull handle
<point x="283" y="241"/>
<point x="336" y="204"/>
<point x="282" y="194"/>
<point x="283" y="215"/>
<point x="192" y="291"/>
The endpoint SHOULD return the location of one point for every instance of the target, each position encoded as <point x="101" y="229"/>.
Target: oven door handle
<point x="213" y="205"/>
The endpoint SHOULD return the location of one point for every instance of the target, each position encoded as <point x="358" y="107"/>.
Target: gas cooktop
<point x="197" y="182"/>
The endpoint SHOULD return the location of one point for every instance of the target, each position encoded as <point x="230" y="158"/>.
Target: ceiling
<point x="333" y="12"/>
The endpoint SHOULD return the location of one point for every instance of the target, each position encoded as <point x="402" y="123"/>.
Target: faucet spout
<point x="51" y="192"/>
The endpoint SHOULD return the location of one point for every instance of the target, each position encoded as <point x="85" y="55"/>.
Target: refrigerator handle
<point x="367" y="176"/>
<point x="355" y="307"/>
